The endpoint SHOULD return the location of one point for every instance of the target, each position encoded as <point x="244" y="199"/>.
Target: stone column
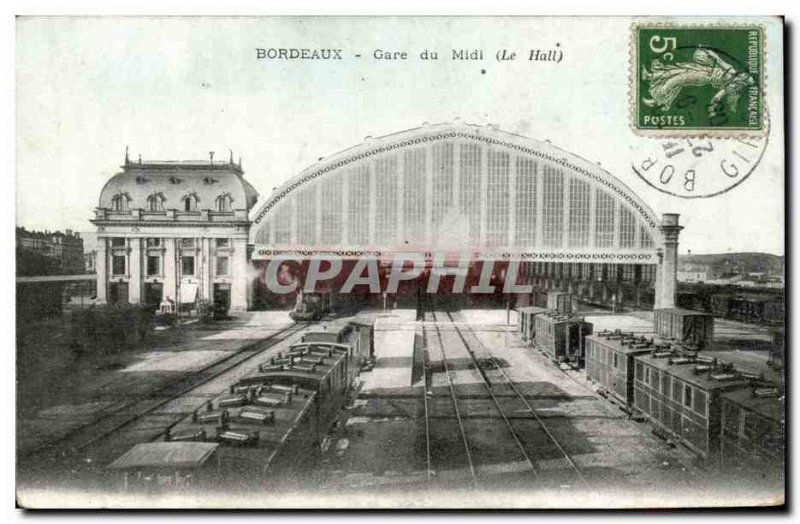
<point x="657" y="281"/>
<point x="239" y="275"/>
<point x="170" y="270"/>
<point x="669" y="274"/>
<point x="135" y="272"/>
<point x="101" y="268"/>
<point x="208" y="264"/>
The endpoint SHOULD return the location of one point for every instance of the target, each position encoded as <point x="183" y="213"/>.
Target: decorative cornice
<point x="642" y="257"/>
<point x="175" y="223"/>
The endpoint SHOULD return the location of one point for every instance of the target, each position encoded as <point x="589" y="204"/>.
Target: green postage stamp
<point x="698" y="80"/>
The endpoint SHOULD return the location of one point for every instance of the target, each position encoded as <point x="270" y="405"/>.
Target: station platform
<point x="394" y="336"/>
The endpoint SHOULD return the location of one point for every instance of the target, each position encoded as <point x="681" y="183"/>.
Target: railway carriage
<point x="561" y="336"/>
<point x="754" y="428"/>
<point x="681" y="394"/>
<point x="269" y="427"/>
<point x="610" y="361"/>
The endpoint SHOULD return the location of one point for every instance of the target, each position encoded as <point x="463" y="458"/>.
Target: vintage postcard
<point x="400" y="262"/>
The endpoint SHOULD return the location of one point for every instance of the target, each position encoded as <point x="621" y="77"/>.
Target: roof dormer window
<point x="119" y="202"/>
<point x="155" y="202"/>
<point x="190" y="202"/>
<point x="224" y="203"/>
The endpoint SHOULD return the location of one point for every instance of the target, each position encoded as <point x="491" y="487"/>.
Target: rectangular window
<point x="118" y="265"/>
<point x="358" y="206"/>
<point x="646" y="375"/>
<point x="627" y="228"/>
<point x="118" y="242"/>
<point x="655" y="378"/>
<point x="616" y="360"/>
<point x="414" y="173"/>
<point x="282" y="226"/>
<point x="443" y="163"/>
<point x="222" y="266"/>
<point x="687" y="395"/>
<point x="639" y="371"/>
<point x="469" y="191"/>
<point x="153" y="242"/>
<point x="604" y="219"/>
<point x="700" y="402"/>
<point x="645" y="240"/>
<point x="497" y="196"/>
<point x="153" y="265"/>
<point x="526" y="202"/>
<point x="552" y="207"/>
<point x="187" y="265"/>
<point x="578" y="213"/>
<point x="331" y="209"/>
<point x="676" y="390"/>
<point x="666" y="384"/>
<point x="385" y="199"/>
<point x="222" y="242"/>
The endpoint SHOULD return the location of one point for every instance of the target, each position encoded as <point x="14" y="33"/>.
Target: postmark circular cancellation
<point x="697" y="167"/>
<point x="697" y="106"/>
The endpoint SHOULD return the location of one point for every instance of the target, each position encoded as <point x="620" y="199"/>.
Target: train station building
<point x="175" y="233"/>
<point x="498" y="196"/>
<point x="185" y="231"/>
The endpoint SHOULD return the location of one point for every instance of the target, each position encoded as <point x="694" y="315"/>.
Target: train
<point x="685" y="395"/>
<point x="760" y="307"/>
<point x="665" y="379"/>
<point x="311" y="307"/>
<point x="268" y="429"/>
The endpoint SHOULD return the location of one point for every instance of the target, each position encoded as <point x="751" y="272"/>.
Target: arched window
<point x="155" y="202"/>
<point x="190" y="202"/>
<point x="119" y="202"/>
<point x="224" y="203"/>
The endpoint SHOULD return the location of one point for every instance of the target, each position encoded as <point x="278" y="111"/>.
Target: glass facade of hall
<point x="484" y="195"/>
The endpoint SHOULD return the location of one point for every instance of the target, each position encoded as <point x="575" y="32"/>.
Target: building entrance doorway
<point x="153" y="292"/>
<point x="222" y="297"/>
<point x="118" y="293"/>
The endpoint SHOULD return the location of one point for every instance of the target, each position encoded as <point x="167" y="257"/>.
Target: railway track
<point x="113" y="421"/>
<point x="514" y="401"/>
<point x="489" y="449"/>
<point x="443" y="431"/>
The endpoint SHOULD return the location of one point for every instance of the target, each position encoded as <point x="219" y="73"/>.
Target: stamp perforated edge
<point x="633" y="95"/>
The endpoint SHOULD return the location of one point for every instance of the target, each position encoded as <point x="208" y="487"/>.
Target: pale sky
<point x="179" y="88"/>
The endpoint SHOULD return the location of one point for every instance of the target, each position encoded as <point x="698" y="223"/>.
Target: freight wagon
<point x="561" y="336"/>
<point x="560" y="302"/>
<point x="684" y="326"/>
<point x="525" y="324"/>
<point x="610" y="361"/>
